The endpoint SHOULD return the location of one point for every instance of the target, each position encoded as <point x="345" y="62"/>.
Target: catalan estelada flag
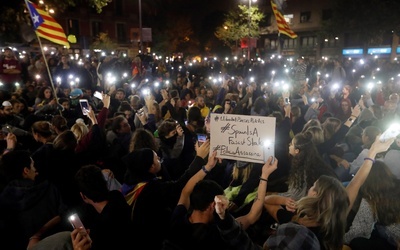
<point x="45" y="25"/>
<point x="283" y="27"/>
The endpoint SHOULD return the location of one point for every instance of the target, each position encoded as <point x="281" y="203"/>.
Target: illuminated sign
<point x="379" y="51"/>
<point x="353" y="52"/>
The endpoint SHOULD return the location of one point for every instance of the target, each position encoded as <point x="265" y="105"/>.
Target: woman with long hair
<point x="377" y="220"/>
<point x="306" y="167"/>
<point x="325" y="209"/>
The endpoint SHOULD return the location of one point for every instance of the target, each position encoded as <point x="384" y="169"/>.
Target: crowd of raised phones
<point x="130" y="165"/>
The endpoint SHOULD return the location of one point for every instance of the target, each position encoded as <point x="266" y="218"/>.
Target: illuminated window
<point x="289" y="18"/>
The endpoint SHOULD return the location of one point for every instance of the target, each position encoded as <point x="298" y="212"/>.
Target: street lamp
<point x="140" y="26"/>
<point x="249" y="24"/>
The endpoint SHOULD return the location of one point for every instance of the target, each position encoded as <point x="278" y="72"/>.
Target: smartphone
<point x="98" y="95"/>
<point x="392" y="132"/>
<point x="201" y="138"/>
<point x="9" y="130"/>
<point x="269" y="150"/>
<point x="76" y="221"/>
<point x="140" y="112"/>
<point x="84" y="106"/>
<point x="287" y="101"/>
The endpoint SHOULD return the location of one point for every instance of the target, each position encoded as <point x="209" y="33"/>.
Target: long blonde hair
<point x="80" y="130"/>
<point x="241" y="174"/>
<point x="328" y="209"/>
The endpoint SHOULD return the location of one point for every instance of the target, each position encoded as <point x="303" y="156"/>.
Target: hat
<point x="6" y="104"/>
<point x="139" y="161"/>
<point x="293" y="236"/>
<point x="76" y="92"/>
<point x="7" y="48"/>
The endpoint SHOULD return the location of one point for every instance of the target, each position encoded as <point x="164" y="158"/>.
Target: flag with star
<point x="45" y="25"/>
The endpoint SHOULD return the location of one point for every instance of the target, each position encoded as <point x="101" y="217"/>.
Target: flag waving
<point x="45" y="25"/>
<point x="283" y="27"/>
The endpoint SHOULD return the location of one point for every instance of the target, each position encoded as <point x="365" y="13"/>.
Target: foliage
<point x="103" y="42"/>
<point x="370" y="19"/>
<point x="240" y="23"/>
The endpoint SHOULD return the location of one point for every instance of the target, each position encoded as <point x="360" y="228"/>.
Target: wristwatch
<point x="352" y="118"/>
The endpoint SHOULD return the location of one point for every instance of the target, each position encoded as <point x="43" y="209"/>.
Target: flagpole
<point x="279" y="44"/>
<point x="45" y="61"/>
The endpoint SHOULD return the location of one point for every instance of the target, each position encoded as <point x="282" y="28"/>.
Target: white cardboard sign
<point x="242" y="137"/>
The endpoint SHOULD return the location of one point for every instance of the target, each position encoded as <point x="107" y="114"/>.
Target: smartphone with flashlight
<point x="76" y="221"/>
<point x="287" y="101"/>
<point x="269" y="150"/>
<point x="9" y="130"/>
<point x="98" y="95"/>
<point x="392" y="132"/>
<point x="201" y="138"/>
<point x="84" y="106"/>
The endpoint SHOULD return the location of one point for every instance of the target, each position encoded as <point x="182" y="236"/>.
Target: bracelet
<point x="262" y="179"/>
<point x="205" y="170"/>
<point x="34" y="237"/>
<point x="369" y="159"/>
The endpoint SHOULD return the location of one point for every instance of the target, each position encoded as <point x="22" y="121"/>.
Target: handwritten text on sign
<point x="243" y="137"/>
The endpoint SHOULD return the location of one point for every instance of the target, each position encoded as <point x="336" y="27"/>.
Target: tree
<point x="103" y="42"/>
<point x="240" y="23"/>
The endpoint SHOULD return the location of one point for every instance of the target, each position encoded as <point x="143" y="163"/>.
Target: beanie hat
<point x="292" y="236"/>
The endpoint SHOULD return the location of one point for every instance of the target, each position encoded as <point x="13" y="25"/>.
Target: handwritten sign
<point x="242" y="137"/>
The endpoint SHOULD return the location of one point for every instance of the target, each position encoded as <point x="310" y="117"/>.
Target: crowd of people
<point x="131" y="167"/>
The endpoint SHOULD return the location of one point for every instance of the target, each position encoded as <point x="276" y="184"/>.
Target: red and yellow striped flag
<point x="45" y="25"/>
<point x="283" y="27"/>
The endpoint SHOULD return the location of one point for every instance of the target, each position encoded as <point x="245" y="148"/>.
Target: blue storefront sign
<point x="379" y="51"/>
<point x="352" y="52"/>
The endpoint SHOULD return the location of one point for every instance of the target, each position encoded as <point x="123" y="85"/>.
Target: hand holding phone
<point x="392" y="132"/>
<point x="201" y="138"/>
<point x="98" y="95"/>
<point x="84" y="106"/>
<point x="76" y="221"/>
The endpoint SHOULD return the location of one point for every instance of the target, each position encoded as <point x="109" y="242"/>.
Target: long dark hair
<point x="380" y="188"/>
<point x="308" y="161"/>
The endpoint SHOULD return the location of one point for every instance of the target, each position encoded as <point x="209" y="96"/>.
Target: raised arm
<point x="258" y="204"/>
<point x="187" y="190"/>
<point x="362" y="174"/>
